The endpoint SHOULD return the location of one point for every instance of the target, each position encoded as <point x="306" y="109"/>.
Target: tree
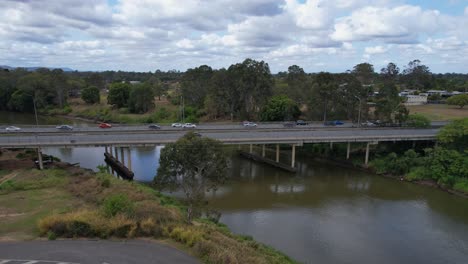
<point x="389" y="105"/>
<point x="250" y="85"/>
<point x="417" y="120"/>
<point x="325" y="90"/>
<point x="141" y="99"/>
<point x="195" y="84"/>
<point x="90" y="95"/>
<point x="364" y="72"/>
<point x="455" y="134"/>
<point x="96" y="80"/>
<point x="280" y="108"/>
<point x="461" y="100"/>
<point x="119" y="94"/>
<point x="417" y="76"/>
<point x="297" y="83"/>
<point x="194" y="165"/>
<point x="390" y="72"/>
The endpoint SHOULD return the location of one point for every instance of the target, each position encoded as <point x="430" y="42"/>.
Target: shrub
<point x="51" y="235"/>
<point x="116" y="204"/>
<point x="461" y="185"/>
<point x="417" y="120"/>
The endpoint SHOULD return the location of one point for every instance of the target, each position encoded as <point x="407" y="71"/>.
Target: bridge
<point x="127" y="136"/>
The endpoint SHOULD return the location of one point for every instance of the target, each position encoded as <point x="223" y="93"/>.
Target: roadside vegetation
<point x="70" y="202"/>
<point x="445" y="165"/>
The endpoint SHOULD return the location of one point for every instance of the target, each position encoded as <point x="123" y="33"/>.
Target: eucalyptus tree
<point x="193" y="165"/>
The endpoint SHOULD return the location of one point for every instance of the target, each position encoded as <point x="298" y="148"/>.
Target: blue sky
<point x="318" y="35"/>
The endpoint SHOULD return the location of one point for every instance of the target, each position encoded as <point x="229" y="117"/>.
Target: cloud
<point x="167" y="34"/>
<point x="395" y="25"/>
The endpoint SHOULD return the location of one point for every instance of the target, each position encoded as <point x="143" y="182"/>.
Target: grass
<point x="439" y="112"/>
<point x="71" y="202"/>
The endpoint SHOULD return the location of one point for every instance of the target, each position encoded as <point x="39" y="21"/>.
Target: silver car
<point x="249" y="124"/>
<point x="176" y="125"/>
<point x="12" y="128"/>
<point x="64" y="127"/>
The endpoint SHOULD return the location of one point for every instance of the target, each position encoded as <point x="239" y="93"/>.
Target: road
<point x="247" y="136"/>
<point x="90" y="252"/>
<point x="167" y="128"/>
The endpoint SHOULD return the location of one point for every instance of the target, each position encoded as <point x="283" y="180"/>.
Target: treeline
<point x="246" y="90"/>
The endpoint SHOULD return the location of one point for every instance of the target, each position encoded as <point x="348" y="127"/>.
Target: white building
<point x="416" y="99"/>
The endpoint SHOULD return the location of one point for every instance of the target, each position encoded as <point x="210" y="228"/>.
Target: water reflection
<point x="326" y="214"/>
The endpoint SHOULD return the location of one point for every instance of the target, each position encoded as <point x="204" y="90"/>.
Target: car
<point x="189" y="125"/>
<point x="289" y="124"/>
<point x="368" y="124"/>
<point x="249" y="124"/>
<point x="64" y="127"/>
<point x="301" y="123"/>
<point x="333" y="123"/>
<point x="197" y="134"/>
<point x="12" y="128"/>
<point x="154" y="126"/>
<point x="176" y="125"/>
<point x="105" y="125"/>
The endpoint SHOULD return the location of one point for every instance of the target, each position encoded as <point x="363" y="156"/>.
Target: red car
<point x="105" y="125"/>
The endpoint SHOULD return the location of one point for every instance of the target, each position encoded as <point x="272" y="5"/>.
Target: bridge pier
<point x="366" y="161"/>
<point x="277" y="153"/>
<point x="293" y="155"/>
<point x="331" y="145"/>
<point x="251" y="148"/>
<point x="39" y="159"/>
<point x="129" y="159"/>
<point x="348" y="150"/>
<point x="263" y="150"/>
<point x="122" y="156"/>
<point x="116" y="153"/>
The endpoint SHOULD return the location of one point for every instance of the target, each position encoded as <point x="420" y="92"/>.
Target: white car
<point x="176" y="125"/>
<point x="249" y="124"/>
<point x="189" y="125"/>
<point x="12" y="128"/>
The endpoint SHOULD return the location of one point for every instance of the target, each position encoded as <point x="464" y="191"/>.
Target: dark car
<point x="334" y="123"/>
<point x="154" y="126"/>
<point x="301" y="123"/>
<point x="289" y="124"/>
<point x="64" y="127"/>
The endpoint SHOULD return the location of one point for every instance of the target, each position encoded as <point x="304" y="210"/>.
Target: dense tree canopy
<point x="90" y="95"/>
<point x="461" y="100"/>
<point x="119" y="94"/>
<point x="141" y="98"/>
<point x="280" y="108"/>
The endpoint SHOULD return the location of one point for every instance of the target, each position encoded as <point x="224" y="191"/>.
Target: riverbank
<point x="65" y="201"/>
<point x="371" y="169"/>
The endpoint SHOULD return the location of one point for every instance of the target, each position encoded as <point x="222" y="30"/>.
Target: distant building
<point x="416" y="99"/>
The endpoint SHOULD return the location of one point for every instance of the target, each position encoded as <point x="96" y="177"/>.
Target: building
<point x="416" y="99"/>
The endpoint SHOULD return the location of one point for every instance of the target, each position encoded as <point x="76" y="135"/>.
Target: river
<point x="325" y="213"/>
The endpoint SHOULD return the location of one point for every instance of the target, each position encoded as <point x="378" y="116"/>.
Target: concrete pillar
<point x="293" y="156"/>
<point x="277" y="152"/>
<point x="251" y="149"/>
<point x="367" y="154"/>
<point x="263" y="150"/>
<point x="122" y="157"/>
<point x="129" y="157"/>
<point x="348" y="150"/>
<point x="39" y="159"/>
<point x="436" y="144"/>
<point x="106" y="150"/>
<point x="414" y="144"/>
<point x="239" y="147"/>
<point x="116" y="153"/>
<point x="331" y="145"/>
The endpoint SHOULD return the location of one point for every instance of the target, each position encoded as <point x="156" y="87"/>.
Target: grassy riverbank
<point x="71" y="202"/>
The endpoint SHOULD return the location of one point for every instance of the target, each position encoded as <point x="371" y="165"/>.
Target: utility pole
<point x="359" y="110"/>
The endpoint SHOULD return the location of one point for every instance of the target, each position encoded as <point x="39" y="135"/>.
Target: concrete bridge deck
<point x="227" y="136"/>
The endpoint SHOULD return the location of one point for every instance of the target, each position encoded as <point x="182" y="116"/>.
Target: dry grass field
<point x="439" y="112"/>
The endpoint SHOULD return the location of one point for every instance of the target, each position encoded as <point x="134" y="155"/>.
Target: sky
<point x="318" y="35"/>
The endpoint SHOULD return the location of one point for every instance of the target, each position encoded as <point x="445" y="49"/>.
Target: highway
<point x="142" y="136"/>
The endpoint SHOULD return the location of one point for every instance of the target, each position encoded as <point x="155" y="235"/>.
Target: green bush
<point x="461" y="185"/>
<point x="51" y="235"/>
<point x="117" y="204"/>
<point x="419" y="121"/>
